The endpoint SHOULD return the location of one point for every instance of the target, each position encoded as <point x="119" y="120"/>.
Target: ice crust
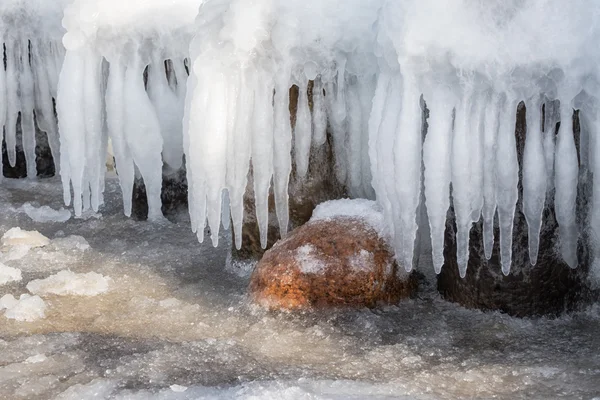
<point x="70" y="283"/>
<point x="375" y="70"/>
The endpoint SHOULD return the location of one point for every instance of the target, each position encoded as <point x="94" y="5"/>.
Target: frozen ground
<point x="161" y="318"/>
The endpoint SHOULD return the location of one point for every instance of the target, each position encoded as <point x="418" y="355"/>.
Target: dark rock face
<point x="548" y="288"/>
<point x="43" y="156"/>
<point x="174" y="195"/>
<point x="339" y="262"/>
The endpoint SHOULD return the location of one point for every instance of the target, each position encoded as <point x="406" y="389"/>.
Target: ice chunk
<point x="26" y="308"/>
<point x="65" y="283"/>
<point x="9" y="274"/>
<point x="367" y="211"/>
<point x="45" y="213"/>
<point x="18" y="237"/>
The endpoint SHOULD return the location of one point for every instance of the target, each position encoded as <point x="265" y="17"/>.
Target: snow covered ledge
<point x="102" y="94"/>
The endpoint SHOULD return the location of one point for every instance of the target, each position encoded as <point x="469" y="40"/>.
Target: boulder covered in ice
<point x="25" y="308"/>
<point x="70" y="283"/>
<point x="19" y="237"/>
<point x="338" y="258"/>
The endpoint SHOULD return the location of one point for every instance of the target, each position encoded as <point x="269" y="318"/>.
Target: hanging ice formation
<point x="244" y="62"/>
<point x="123" y="78"/>
<point x="370" y="67"/>
<point x="31" y="36"/>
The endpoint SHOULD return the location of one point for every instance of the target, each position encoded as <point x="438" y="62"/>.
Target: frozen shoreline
<point x="173" y="315"/>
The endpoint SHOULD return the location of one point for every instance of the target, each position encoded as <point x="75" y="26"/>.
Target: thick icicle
<point x="94" y="130"/>
<point x="115" y="119"/>
<point x="71" y="122"/>
<point x="354" y="143"/>
<point x="27" y="94"/>
<point x="242" y="143"/>
<point x="169" y="111"/>
<point x="13" y="103"/>
<point x="407" y="162"/>
<point x="534" y="178"/>
<point x="463" y="186"/>
<point x="507" y="175"/>
<point x="490" y="135"/>
<point x="3" y="106"/>
<point x="436" y="156"/>
<point x="566" y="173"/>
<point x="319" y="114"/>
<point x="282" y="142"/>
<point x="302" y="130"/>
<point x="142" y="130"/>
<point x="262" y="152"/>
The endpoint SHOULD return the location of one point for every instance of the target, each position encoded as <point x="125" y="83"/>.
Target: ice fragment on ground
<point x="16" y="236"/>
<point x="73" y="242"/>
<point x="69" y="283"/>
<point x="46" y="213"/>
<point x="9" y="274"/>
<point x="26" y="308"/>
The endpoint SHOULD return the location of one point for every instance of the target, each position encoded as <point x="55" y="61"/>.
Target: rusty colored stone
<point x="346" y="276"/>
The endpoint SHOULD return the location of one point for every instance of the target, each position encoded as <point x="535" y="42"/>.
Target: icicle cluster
<point x="245" y="59"/>
<point x="104" y="93"/>
<point x="473" y="62"/>
<point x="31" y="35"/>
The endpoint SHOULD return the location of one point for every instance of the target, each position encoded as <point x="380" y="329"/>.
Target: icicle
<point x="534" y="178"/>
<point x="507" y="175"/>
<point x="366" y="90"/>
<point x="594" y="272"/>
<point x="169" y="111"/>
<point x="43" y="98"/>
<point x="374" y="124"/>
<point x="26" y="90"/>
<point x="490" y="137"/>
<point x="319" y="114"/>
<point x="336" y="102"/>
<point x="462" y="167"/>
<point x="549" y="142"/>
<point x="262" y="152"/>
<point x="142" y="133"/>
<point x="436" y="156"/>
<point x="3" y="105"/>
<point x="71" y="122"/>
<point x="115" y="118"/>
<point x="385" y="148"/>
<point x="282" y="142"/>
<point x="94" y="132"/>
<point x="13" y="103"/>
<point x="214" y="157"/>
<point x="407" y="162"/>
<point x="353" y="148"/>
<point x="302" y="130"/>
<point x="566" y="173"/>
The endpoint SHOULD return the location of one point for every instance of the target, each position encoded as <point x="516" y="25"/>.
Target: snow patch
<point x="366" y="211"/>
<point x="363" y="261"/>
<point x="308" y="262"/>
<point x="9" y="274"/>
<point x="26" y="308"/>
<point x="18" y="237"/>
<point x="67" y="282"/>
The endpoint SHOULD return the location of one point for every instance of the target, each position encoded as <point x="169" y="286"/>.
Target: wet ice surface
<point x="174" y="324"/>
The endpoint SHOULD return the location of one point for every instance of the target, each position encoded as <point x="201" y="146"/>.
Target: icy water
<point x="175" y="323"/>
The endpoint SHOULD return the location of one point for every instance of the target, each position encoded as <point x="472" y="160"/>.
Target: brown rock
<point x="339" y="262"/>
